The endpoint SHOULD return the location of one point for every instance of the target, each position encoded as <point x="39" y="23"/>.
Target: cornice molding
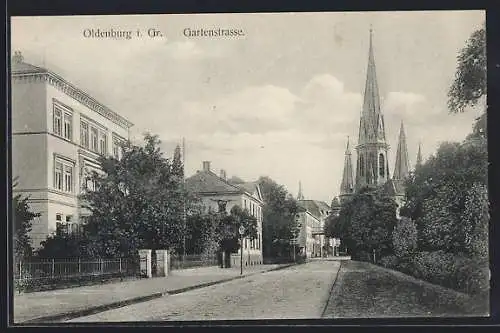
<point x="74" y="92"/>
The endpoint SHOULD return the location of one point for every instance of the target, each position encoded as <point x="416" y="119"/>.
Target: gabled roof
<point x="204" y="182"/>
<point x="249" y="187"/>
<point x="25" y="68"/>
<point x="208" y="183"/>
<point x="314" y="207"/>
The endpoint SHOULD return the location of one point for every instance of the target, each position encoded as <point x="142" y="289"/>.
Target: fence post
<point x="120" y="264"/>
<point x="79" y="266"/>
<point x="53" y="267"/>
<point x="101" y="261"/>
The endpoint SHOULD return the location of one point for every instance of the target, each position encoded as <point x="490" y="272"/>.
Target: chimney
<point x="223" y="174"/>
<point x="206" y="165"/>
<point x="17" y="57"/>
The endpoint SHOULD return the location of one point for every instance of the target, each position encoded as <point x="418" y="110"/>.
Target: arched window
<point x="381" y="165"/>
<point x="361" y="165"/>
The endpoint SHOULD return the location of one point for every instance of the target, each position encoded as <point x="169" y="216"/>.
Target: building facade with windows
<point x="58" y="133"/>
<point x="218" y="193"/>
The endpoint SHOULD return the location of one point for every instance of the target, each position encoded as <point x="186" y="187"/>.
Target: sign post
<point x="241" y="231"/>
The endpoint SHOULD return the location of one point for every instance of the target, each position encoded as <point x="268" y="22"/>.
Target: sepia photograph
<point x="249" y="166"/>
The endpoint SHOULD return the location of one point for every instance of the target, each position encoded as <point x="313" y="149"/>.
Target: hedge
<point x="459" y="273"/>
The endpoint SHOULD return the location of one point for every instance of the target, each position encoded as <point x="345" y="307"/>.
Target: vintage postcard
<point x="251" y="166"/>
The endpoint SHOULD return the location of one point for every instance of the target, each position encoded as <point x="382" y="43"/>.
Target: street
<point x="296" y="292"/>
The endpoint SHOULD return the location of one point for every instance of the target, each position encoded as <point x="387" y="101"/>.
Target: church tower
<point x="372" y="163"/>
<point x="347" y="185"/>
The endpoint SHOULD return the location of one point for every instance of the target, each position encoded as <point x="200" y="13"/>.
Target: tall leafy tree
<point x="404" y="238"/>
<point x="138" y="203"/>
<point x="437" y="194"/>
<point x="470" y="77"/>
<point x="279" y="211"/>
<point x="469" y="85"/>
<point x="22" y="220"/>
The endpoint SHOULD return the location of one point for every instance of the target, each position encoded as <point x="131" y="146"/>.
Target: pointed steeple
<point x="371" y="127"/>
<point x="300" y="196"/>
<point x="419" y="155"/>
<point x="347" y="185"/>
<point x="401" y="169"/>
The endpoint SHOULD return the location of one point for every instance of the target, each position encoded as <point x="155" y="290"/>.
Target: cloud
<point x="404" y="104"/>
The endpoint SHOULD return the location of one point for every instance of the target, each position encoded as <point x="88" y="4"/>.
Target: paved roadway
<point x="296" y="292"/>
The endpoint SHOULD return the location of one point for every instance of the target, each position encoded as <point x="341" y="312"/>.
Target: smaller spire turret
<point x="401" y="169"/>
<point x="300" y="196"/>
<point x="419" y="155"/>
<point x="347" y="185"/>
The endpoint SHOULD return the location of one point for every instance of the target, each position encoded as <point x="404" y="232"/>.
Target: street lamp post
<point x="241" y="230"/>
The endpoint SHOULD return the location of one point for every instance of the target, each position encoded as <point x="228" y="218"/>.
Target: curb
<point x="119" y="304"/>
<point x="331" y="290"/>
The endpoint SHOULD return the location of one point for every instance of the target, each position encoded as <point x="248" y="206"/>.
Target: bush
<point x="390" y="262"/>
<point x="448" y="270"/>
<point x="404" y="238"/>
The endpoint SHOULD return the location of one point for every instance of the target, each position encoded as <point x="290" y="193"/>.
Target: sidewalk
<point x="54" y="305"/>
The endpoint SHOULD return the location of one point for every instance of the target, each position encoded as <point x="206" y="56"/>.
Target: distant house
<point x="312" y="217"/>
<point x="58" y="134"/>
<point x="217" y="192"/>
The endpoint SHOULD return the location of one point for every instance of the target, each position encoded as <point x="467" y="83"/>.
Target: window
<point x="68" y="178"/>
<point x="361" y="165"/>
<point x="84" y="134"/>
<point x="63" y="175"/>
<point x="59" y="217"/>
<point x="57" y="120"/>
<point x="116" y="149"/>
<point x="94" y="133"/>
<point x="381" y="165"/>
<point x="69" y="218"/>
<point x="68" y="126"/>
<point x="103" y="143"/>
<point x="58" y="176"/>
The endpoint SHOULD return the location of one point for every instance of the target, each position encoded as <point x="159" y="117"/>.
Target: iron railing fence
<point x="49" y="270"/>
<point x="178" y="261"/>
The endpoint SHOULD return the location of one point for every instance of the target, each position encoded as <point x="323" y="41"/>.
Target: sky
<point x="279" y="100"/>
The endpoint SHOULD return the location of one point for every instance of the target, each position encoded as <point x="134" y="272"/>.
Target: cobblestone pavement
<point x="31" y="306"/>
<point x="296" y="292"/>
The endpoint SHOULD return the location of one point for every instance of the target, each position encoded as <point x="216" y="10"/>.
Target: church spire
<point x="347" y="185"/>
<point x="371" y="127"/>
<point x="300" y="196"/>
<point x="401" y="169"/>
<point x="419" y="155"/>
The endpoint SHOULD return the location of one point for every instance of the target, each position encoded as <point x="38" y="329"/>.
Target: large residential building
<point x="58" y="133"/>
<point x="217" y="192"/>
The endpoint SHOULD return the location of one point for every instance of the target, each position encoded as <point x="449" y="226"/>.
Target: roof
<point x="25" y="68"/>
<point x="314" y="206"/>
<point x="207" y="182"/>
<point x="19" y="68"/>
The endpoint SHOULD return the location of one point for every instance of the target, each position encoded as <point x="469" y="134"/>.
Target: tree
<point x="138" y="202"/>
<point x="475" y="220"/>
<point x="23" y="221"/>
<point x="365" y="224"/>
<point x="436" y="194"/>
<point x="279" y="225"/>
<point x="404" y="238"/>
<point x="469" y="84"/>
